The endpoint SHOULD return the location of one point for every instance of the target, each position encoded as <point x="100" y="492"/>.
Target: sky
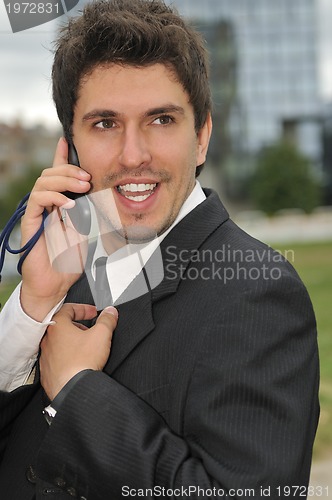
<point x="26" y="59"/>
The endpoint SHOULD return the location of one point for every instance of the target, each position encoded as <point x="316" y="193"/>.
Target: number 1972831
<point x="33" y="8"/>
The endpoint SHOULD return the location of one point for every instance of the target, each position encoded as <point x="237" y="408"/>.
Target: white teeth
<point x="134" y="188"/>
<point x="138" y="198"/>
<point x="137" y="188"/>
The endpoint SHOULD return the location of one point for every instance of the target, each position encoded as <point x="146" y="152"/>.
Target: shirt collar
<point x="126" y="263"/>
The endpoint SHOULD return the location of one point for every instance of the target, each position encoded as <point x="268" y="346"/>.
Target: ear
<point x="203" y="140"/>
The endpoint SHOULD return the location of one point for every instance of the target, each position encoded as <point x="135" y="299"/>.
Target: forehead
<point x="131" y="87"/>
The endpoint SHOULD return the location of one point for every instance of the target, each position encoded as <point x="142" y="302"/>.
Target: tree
<point x="16" y="190"/>
<point x="283" y="179"/>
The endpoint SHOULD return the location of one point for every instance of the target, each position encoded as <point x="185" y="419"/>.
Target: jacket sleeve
<point x="11" y="405"/>
<point x="249" y="421"/>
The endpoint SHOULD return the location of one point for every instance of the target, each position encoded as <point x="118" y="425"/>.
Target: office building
<point x="272" y="79"/>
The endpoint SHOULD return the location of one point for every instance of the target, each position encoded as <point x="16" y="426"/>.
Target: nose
<point x="134" y="151"/>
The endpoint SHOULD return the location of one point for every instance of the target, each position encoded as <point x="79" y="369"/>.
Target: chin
<point x="137" y="233"/>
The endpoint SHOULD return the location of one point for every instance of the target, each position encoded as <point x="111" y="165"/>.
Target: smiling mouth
<point x="137" y="192"/>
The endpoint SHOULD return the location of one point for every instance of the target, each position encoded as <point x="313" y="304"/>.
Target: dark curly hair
<point x="129" y="32"/>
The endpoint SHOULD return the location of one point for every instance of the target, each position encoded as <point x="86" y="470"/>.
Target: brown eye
<point x="163" y="120"/>
<point x="105" y="124"/>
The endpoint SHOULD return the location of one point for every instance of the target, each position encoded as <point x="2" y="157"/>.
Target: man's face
<point x="134" y="131"/>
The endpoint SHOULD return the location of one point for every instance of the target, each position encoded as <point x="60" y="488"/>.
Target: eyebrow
<point x="100" y="113"/>
<point x="108" y="113"/>
<point x="168" y="108"/>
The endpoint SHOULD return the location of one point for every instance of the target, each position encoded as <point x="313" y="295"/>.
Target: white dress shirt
<point x="20" y="335"/>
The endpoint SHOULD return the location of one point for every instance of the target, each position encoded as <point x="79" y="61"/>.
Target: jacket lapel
<point x="135" y="316"/>
<point x="186" y="237"/>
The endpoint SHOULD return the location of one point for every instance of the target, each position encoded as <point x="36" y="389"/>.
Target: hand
<point x="68" y="348"/>
<point x="43" y="286"/>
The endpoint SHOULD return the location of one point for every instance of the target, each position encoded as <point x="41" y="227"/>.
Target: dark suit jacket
<point x="211" y="383"/>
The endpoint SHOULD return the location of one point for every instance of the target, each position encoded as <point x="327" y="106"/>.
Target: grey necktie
<point x="102" y="295"/>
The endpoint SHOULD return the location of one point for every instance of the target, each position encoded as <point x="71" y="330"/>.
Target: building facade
<point x="22" y="148"/>
<point x="275" y="88"/>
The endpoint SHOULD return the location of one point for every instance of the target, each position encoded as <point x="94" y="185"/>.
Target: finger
<point x="108" y="318"/>
<point x="70" y="180"/>
<point x="64" y="170"/>
<point x="80" y="326"/>
<point x="42" y="199"/>
<point x="48" y="189"/>
<point x="61" y="158"/>
<point x="75" y="312"/>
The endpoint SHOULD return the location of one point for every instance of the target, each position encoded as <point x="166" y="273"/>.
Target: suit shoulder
<point x="250" y="260"/>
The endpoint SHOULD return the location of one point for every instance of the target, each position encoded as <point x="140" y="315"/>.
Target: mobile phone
<point x="80" y="214"/>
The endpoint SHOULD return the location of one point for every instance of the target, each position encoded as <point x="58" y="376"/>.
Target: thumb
<point x="109" y="318"/>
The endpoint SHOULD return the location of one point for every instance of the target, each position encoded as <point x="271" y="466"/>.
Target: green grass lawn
<point x="6" y="288"/>
<point x="314" y="264"/>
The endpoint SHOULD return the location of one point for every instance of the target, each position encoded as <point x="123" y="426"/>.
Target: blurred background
<point x="271" y="154"/>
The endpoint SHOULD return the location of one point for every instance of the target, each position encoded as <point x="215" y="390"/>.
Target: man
<point x="204" y="385"/>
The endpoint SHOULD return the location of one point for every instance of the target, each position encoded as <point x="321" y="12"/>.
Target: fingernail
<point x="84" y="174"/>
<point x="69" y="204"/>
<point x="111" y="310"/>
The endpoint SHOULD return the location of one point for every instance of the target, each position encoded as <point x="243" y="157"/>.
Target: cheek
<point x="189" y="161"/>
<point x="184" y="155"/>
<point x="97" y="164"/>
<point x="91" y="151"/>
